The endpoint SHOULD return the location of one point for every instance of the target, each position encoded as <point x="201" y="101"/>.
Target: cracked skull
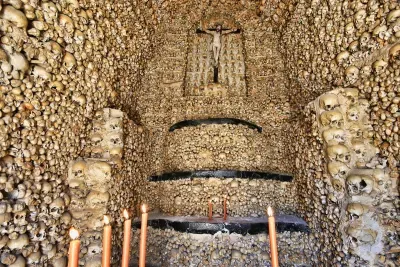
<point x="359" y="184"/>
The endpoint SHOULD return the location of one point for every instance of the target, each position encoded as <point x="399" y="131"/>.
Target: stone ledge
<point x="239" y="225"/>
<point x="193" y="123"/>
<point x="221" y="174"/>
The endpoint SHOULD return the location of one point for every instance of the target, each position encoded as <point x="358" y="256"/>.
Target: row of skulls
<point x="358" y="176"/>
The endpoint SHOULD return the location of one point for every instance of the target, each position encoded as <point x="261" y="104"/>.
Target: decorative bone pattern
<point x="357" y="181"/>
<point x="90" y="181"/>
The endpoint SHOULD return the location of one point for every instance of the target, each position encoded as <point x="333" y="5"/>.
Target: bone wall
<point x="60" y="63"/>
<point x="229" y="249"/>
<point x="245" y="198"/>
<point x="213" y="147"/>
<point x="354" y="189"/>
<point x="354" y="44"/>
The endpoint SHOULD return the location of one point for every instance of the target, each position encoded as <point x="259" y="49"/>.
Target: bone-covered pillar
<point x="90" y="182"/>
<point x="356" y="181"/>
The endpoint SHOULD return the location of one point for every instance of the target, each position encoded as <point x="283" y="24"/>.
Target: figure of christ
<point x="216" y="44"/>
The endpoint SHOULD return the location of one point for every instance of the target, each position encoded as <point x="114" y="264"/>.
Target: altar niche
<point x="215" y="56"/>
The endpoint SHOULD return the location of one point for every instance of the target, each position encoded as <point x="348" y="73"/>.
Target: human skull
<point x="50" y="11"/>
<point x="328" y="101"/>
<point x="352" y="73"/>
<point x="46" y="188"/>
<point x="338" y="170"/>
<point x="78" y="169"/>
<point x="19" y="262"/>
<point x="379" y="66"/>
<point x="5" y="218"/>
<point x="114" y="124"/>
<point x="18" y="206"/>
<point x="359" y="18"/>
<point x="97" y="199"/>
<point x="5" y="206"/>
<point x="48" y="249"/>
<point x="115" y="139"/>
<point x="19" y="243"/>
<point x="366" y="71"/>
<point x="116" y="152"/>
<point x="349" y="28"/>
<point x="361" y="236"/>
<point x="57" y="207"/>
<point x="359" y="184"/>
<point x="34" y="258"/>
<point x="66" y="22"/>
<point x="98" y="173"/>
<point x="394" y="51"/>
<point x="66" y="218"/>
<point x="355" y="130"/>
<point x="365" y="39"/>
<point x="342" y="57"/>
<point x="388" y="210"/>
<point x="381" y="180"/>
<point x="97" y="126"/>
<point x="338" y="185"/>
<point x="353" y="113"/>
<point x="360" y="150"/>
<point x="96" y="139"/>
<point x="381" y="31"/>
<point x="339" y="153"/>
<point x="332" y="118"/>
<point x="59" y="262"/>
<point x="69" y="61"/>
<point x="356" y="210"/>
<point x="20" y="218"/>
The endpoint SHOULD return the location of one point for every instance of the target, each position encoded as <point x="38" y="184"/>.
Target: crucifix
<point x="216" y="44"/>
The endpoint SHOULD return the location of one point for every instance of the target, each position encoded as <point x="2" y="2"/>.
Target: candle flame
<point x="270" y="212"/>
<point x="144" y="208"/>
<point x="106" y="219"/>
<point x="126" y="214"/>
<point x="73" y="233"/>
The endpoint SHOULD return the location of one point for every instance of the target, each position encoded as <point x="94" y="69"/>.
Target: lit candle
<point x="210" y="210"/>
<point x="225" y="212"/>
<point x="105" y="260"/>
<point x="74" y="246"/>
<point x="127" y="240"/>
<point x="272" y="237"/>
<point x="143" y="237"/>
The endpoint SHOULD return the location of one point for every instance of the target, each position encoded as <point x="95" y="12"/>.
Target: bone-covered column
<point x="356" y="177"/>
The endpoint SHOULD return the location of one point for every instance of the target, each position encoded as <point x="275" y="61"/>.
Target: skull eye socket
<point x="363" y="184"/>
<point x="355" y="216"/>
<point x="342" y="173"/>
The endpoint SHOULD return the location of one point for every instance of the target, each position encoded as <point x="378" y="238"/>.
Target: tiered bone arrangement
<point x="89" y="181"/>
